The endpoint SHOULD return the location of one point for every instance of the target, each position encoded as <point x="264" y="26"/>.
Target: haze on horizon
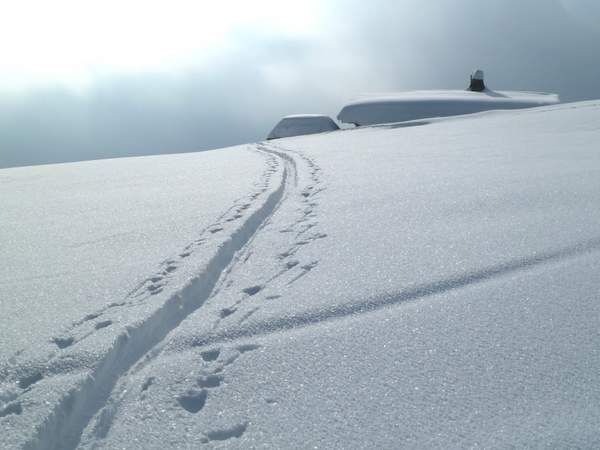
<point x="110" y="79"/>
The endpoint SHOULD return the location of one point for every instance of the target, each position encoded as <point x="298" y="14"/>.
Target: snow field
<point x="146" y="315"/>
<point x="404" y="293"/>
<point x="425" y="284"/>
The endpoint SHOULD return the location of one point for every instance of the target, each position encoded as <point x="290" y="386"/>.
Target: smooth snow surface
<point x="78" y="237"/>
<point x="301" y="124"/>
<point x="423" y="285"/>
<point x="413" y="105"/>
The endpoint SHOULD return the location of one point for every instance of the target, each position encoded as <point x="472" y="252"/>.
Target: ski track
<point x="194" y="398"/>
<point x="151" y="286"/>
<point x="343" y="311"/>
<point x="63" y="426"/>
<point x="303" y="231"/>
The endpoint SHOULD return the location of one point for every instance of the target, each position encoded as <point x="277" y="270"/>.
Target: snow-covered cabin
<point x="413" y="105"/>
<point x="300" y="124"/>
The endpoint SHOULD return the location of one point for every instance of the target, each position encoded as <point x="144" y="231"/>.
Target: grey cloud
<point x="522" y="44"/>
<point x="197" y="109"/>
<point x="378" y="45"/>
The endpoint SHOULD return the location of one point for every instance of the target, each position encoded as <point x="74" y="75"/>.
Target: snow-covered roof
<point x="403" y="106"/>
<point x="301" y="124"/>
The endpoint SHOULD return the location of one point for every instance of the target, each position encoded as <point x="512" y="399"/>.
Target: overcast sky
<point x="86" y="80"/>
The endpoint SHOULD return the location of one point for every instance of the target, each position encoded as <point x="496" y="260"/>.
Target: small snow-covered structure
<point x="301" y="124"/>
<point x="413" y="105"/>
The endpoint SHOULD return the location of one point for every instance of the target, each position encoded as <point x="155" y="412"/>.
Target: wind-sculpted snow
<point x="424" y="284"/>
<point x="414" y="105"/>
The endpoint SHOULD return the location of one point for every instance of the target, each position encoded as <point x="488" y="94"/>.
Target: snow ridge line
<point x="64" y="427"/>
<point x="339" y="312"/>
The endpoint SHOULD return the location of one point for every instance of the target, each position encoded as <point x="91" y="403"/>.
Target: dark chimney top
<point x="477" y="84"/>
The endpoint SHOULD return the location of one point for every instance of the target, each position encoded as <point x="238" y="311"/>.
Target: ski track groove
<point x="153" y="284"/>
<point x="193" y="399"/>
<point x="64" y="426"/>
<point x="307" y="209"/>
<point x="343" y="311"/>
<point x="76" y="332"/>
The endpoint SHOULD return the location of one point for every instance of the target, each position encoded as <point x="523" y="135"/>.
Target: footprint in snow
<point x="193" y="400"/>
<point x="11" y="408"/>
<point x="210" y="355"/>
<point x="116" y="305"/>
<point x="155" y="289"/>
<point x="225" y="434"/>
<point x="292" y="264"/>
<point x="247" y="348"/>
<point x="226" y="312"/>
<point x="169" y="269"/>
<point x="63" y="342"/>
<point x="24" y="383"/>
<point x="287" y="253"/>
<point x="149" y="381"/>
<point x="252" y="290"/>
<point x="305" y="269"/>
<point x="103" y="324"/>
<point x="91" y="317"/>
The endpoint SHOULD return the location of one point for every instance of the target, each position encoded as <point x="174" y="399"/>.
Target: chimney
<point x="477" y="84"/>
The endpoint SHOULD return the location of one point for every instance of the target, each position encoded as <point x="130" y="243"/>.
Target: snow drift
<point x="405" y="106"/>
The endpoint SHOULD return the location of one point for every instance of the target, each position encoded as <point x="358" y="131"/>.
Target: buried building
<point x="413" y="105"/>
<point x="301" y="124"/>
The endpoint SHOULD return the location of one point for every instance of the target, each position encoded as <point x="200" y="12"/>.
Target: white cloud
<point x="75" y="41"/>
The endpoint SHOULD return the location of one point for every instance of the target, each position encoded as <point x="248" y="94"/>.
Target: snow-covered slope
<point x="412" y="105"/>
<point x="79" y="237"/>
<point x="411" y="285"/>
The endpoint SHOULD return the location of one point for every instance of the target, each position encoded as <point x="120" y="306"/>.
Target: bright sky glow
<point x="71" y="41"/>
